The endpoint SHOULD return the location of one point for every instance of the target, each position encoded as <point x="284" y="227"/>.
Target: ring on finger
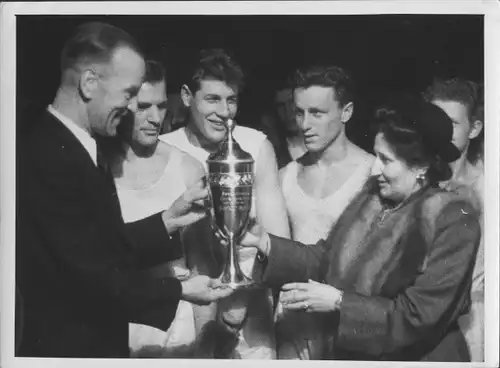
<point x="306" y="306"/>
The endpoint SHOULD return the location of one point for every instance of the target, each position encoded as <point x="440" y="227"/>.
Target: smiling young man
<point x="462" y="100"/>
<point x="333" y="168"/>
<point x="211" y="96"/>
<point x="151" y="176"/>
<point x="319" y="185"/>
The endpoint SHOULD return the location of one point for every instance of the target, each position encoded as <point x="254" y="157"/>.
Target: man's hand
<point x="203" y="290"/>
<point x="189" y="208"/>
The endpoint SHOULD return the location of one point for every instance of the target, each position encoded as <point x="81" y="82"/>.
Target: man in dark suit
<point x="80" y="270"/>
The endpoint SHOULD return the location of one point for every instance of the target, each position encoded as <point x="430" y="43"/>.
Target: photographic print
<point x="250" y="181"/>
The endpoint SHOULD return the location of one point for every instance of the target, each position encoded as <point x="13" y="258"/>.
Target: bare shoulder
<point x="359" y="155"/>
<point x="192" y="169"/>
<point x="266" y="161"/>
<point x="163" y="150"/>
<point x="190" y="162"/>
<point x="243" y="133"/>
<point x="252" y="140"/>
<point x="266" y="148"/>
<point x="285" y="169"/>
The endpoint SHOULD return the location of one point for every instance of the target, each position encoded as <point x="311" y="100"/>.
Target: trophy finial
<point x="230" y="124"/>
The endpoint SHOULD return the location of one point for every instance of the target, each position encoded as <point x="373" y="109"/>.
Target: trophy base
<point x="243" y="284"/>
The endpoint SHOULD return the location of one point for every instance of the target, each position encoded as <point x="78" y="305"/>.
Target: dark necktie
<point x="105" y="168"/>
<point x="102" y="164"/>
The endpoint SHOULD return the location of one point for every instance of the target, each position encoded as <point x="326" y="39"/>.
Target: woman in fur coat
<point x="395" y="273"/>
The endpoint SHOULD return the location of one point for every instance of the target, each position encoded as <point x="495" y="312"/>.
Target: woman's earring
<point x="421" y="178"/>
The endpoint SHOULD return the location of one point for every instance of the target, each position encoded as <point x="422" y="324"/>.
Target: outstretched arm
<point x="156" y="238"/>
<point x="84" y="236"/>
<point x="271" y="208"/>
<point x="291" y="261"/>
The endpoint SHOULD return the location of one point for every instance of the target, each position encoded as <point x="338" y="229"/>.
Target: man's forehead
<point x="156" y="91"/>
<point x="451" y="105"/>
<point x="154" y="87"/>
<point x="316" y="94"/>
<point x="126" y="62"/>
<point x="217" y="87"/>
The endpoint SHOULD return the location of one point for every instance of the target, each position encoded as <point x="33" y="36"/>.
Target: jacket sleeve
<point x="291" y="261"/>
<point x="89" y="247"/>
<point x="424" y="311"/>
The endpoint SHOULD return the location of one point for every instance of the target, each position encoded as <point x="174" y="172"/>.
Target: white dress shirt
<point x="81" y="134"/>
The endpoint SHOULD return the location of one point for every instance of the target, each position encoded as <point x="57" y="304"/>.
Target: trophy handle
<point x="248" y="222"/>
<point x="211" y="215"/>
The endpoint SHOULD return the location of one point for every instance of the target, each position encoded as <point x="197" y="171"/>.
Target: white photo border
<point x="8" y="11"/>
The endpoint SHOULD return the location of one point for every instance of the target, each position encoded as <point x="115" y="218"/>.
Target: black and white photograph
<point x="254" y="180"/>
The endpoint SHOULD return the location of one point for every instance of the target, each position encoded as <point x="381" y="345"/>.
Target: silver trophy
<point x="230" y="179"/>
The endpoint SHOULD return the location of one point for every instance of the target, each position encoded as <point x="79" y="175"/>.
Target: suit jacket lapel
<point x="65" y="137"/>
<point x="94" y="177"/>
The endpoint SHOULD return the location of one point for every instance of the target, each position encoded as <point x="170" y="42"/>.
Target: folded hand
<point x="310" y="297"/>
<point x="203" y="290"/>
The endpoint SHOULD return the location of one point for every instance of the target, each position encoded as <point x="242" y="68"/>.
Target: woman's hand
<point x="256" y="237"/>
<point x="311" y="297"/>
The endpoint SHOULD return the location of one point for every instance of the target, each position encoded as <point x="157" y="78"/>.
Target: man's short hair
<point x="215" y="64"/>
<point x="469" y="94"/>
<point x="326" y="76"/>
<point x="95" y="42"/>
<point x="466" y="92"/>
<point x="155" y="72"/>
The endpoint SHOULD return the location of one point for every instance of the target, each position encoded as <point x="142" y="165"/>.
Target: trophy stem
<point x="232" y="274"/>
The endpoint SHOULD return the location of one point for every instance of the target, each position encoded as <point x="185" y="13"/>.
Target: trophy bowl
<point x="230" y="181"/>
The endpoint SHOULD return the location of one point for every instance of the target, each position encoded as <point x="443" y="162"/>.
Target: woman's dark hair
<point x="410" y="141"/>
<point x="215" y="64"/>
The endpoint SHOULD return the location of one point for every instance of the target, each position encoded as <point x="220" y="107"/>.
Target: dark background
<point x="386" y="54"/>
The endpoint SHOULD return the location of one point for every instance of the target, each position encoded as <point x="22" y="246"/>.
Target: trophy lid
<point x="230" y="150"/>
